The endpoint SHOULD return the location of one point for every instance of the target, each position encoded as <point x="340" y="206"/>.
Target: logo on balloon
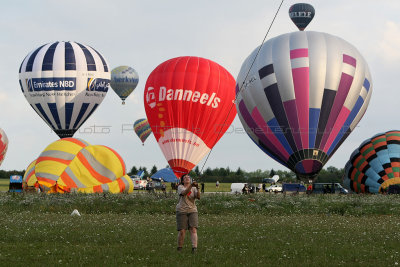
<point x="300" y="14"/>
<point x="165" y="94"/>
<point x="151" y="97"/>
<point x="97" y="84"/>
<point x="50" y="84"/>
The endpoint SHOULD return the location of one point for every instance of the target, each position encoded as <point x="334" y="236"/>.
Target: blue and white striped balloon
<point x="64" y="82"/>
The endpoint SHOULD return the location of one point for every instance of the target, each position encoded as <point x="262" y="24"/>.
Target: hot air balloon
<point x="375" y="164"/>
<point x="3" y="145"/>
<point x="301" y="14"/>
<point x="189" y="106"/>
<point x="124" y="80"/>
<point x="142" y="129"/>
<point x="77" y="166"/>
<point x="64" y="82"/>
<point x="303" y="96"/>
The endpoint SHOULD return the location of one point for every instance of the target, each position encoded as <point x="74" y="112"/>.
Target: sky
<point x="143" y="34"/>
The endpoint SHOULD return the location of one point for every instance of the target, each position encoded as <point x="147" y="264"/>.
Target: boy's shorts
<point x="186" y="220"/>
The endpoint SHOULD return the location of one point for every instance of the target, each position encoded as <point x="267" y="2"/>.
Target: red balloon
<point x="189" y="106"/>
<point x="3" y="145"/>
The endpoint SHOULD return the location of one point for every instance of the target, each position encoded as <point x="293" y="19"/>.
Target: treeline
<point x="226" y="175"/>
<point x="7" y="174"/>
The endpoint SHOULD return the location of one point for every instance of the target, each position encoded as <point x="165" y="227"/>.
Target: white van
<point x="236" y="188"/>
<point x="139" y="184"/>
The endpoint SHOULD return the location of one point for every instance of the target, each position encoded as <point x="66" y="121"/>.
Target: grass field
<point x="252" y="230"/>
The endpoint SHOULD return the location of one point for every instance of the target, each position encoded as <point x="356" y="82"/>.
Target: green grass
<point x="4" y="183"/>
<point x="251" y="230"/>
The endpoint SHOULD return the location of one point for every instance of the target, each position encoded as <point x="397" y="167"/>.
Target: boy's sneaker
<point x="194" y="250"/>
<point x="179" y="248"/>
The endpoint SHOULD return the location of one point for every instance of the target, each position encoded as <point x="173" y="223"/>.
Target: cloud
<point x="390" y="43"/>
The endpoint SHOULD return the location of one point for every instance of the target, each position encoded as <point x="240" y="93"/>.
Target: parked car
<point x="274" y="188"/>
<point x="328" y="188"/>
<point x="154" y="185"/>
<point x="293" y="188"/>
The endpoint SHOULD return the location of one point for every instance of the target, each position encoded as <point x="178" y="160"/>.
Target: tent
<point x="166" y="174"/>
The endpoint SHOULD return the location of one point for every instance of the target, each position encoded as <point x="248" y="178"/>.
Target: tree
<point x="133" y="171"/>
<point x="197" y="171"/>
<point x="153" y="170"/>
<point x="239" y="172"/>
<point x="272" y="173"/>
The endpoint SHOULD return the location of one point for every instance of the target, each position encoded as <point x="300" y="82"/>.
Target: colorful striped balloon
<point x="78" y="166"/>
<point x="29" y="176"/>
<point x="142" y="129"/>
<point x="3" y="145"/>
<point x="375" y="165"/>
<point x="302" y="97"/>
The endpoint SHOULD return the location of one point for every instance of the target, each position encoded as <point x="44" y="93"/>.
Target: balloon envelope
<point x="142" y="129"/>
<point x="78" y="166"/>
<point x="3" y="145"/>
<point x="303" y="96"/>
<point x="124" y="80"/>
<point x="375" y="164"/>
<point x="301" y="14"/>
<point x="64" y="82"/>
<point x="166" y="174"/>
<point x="189" y="106"/>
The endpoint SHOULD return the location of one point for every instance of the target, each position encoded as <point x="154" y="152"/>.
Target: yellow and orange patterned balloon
<point x="77" y="166"/>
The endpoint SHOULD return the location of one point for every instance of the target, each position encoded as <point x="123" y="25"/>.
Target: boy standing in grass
<point x="186" y="211"/>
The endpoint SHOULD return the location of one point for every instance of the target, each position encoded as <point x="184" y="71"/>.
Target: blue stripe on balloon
<point x="69" y="108"/>
<point x="49" y="57"/>
<point x="300" y="168"/>
<point x="70" y="62"/>
<point x="43" y="114"/>
<point x="376" y="165"/>
<point x="313" y="122"/>
<point x="20" y="84"/>
<point x="366" y="84"/>
<point x="102" y="60"/>
<point x="90" y="113"/>
<point x="383" y="156"/>
<point x="276" y="129"/>
<point x="346" y="125"/>
<point x="80" y="115"/>
<point x="31" y="59"/>
<point x="54" y="113"/>
<point x="266" y="151"/>
<point x="91" y="64"/>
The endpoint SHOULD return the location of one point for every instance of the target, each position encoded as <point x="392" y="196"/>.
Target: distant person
<point x="164" y="188"/>
<point x="37" y="187"/>
<point x="202" y="187"/>
<point x="263" y="187"/>
<point x="245" y="189"/>
<point x="55" y="188"/>
<point x="217" y="184"/>
<point x="309" y="189"/>
<point x="186" y="211"/>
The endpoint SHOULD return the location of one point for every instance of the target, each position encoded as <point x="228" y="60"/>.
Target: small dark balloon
<point x="301" y="14"/>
